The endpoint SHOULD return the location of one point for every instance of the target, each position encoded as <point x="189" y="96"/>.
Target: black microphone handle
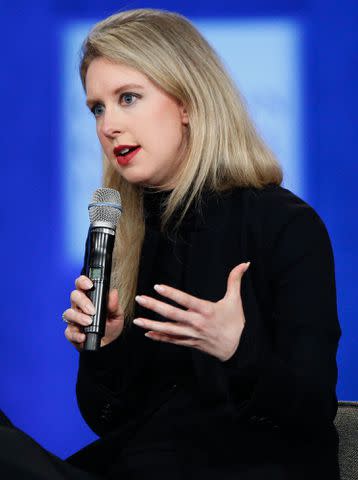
<point x="99" y="249"/>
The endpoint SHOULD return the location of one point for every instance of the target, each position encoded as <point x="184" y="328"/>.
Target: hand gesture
<point x="81" y="311"/>
<point x="212" y="327"/>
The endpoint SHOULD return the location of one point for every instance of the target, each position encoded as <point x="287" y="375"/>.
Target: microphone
<point x="104" y="212"/>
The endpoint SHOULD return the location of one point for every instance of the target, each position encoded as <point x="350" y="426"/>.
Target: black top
<point x="274" y="399"/>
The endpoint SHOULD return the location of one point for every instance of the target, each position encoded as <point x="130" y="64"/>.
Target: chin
<point x="134" y="174"/>
<point x="136" y="179"/>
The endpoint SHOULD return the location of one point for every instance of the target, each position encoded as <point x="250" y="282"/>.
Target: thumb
<point x="234" y="280"/>
<point x="113" y="304"/>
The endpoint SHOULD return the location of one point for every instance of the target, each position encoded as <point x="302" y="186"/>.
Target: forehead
<point x="104" y="74"/>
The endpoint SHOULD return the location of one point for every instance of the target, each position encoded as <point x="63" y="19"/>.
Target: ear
<point x="184" y="115"/>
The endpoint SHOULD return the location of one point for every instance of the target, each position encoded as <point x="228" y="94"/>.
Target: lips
<point x="117" y="150"/>
<point x="130" y="152"/>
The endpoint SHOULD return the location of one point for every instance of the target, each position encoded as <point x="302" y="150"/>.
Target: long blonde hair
<point x="223" y="148"/>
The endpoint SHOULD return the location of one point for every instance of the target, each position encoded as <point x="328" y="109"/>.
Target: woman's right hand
<point x="81" y="311"/>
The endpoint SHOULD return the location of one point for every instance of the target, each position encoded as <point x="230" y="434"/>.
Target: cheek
<point x="165" y="128"/>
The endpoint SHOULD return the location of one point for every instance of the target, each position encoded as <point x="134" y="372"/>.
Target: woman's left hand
<point x="212" y="327"/>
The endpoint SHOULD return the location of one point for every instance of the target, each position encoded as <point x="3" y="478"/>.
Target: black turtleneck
<point x="273" y="401"/>
<point x="163" y="261"/>
<point x="154" y="202"/>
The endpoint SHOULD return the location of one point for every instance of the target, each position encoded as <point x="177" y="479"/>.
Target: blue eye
<point x="128" y="98"/>
<point x="96" y="109"/>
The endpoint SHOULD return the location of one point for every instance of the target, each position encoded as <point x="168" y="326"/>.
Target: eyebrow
<point x="92" y="101"/>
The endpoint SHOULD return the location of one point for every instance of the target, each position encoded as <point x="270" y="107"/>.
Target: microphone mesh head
<point x="106" y="206"/>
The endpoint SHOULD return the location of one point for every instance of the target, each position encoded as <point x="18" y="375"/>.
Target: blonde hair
<point x="223" y="148"/>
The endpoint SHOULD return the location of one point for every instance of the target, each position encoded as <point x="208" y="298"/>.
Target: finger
<point x="184" y="299"/>
<point x="177" y="340"/>
<point x="74" y="335"/>
<point x="83" y="283"/>
<point x="77" y="317"/>
<point x="234" y="280"/>
<point x="166" y="328"/>
<point x="166" y="310"/>
<point x="81" y="301"/>
<point x="113" y="303"/>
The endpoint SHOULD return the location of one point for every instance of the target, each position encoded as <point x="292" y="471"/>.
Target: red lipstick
<point x="130" y="151"/>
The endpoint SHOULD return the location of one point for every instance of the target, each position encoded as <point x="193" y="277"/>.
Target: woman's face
<point x="131" y="111"/>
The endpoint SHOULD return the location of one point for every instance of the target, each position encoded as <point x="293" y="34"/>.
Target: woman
<point x="229" y="370"/>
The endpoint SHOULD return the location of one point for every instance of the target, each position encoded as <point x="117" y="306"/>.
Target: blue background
<point x="38" y="365"/>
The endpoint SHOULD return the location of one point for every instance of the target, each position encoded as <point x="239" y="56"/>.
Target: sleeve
<point x="99" y="383"/>
<point x="290" y="357"/>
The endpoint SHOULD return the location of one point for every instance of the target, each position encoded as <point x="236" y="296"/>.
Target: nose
<point x="111" y="124"/>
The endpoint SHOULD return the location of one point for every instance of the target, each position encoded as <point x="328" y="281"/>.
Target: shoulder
<point x="276" y="212"/>
<point x="278" y="201"/>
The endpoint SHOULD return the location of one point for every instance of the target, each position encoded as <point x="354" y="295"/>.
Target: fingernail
<point x="88" y="283"/>
<point x="248" y="264"/>
<point x="140" y="299"/>
<point x="136" y="321"/>
<point x="90" y="309"/>
<point x="88" y="321"/>
<point x="159" y="288"/>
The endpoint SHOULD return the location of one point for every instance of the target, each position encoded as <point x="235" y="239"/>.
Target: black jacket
<point x="274" y="400"/>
